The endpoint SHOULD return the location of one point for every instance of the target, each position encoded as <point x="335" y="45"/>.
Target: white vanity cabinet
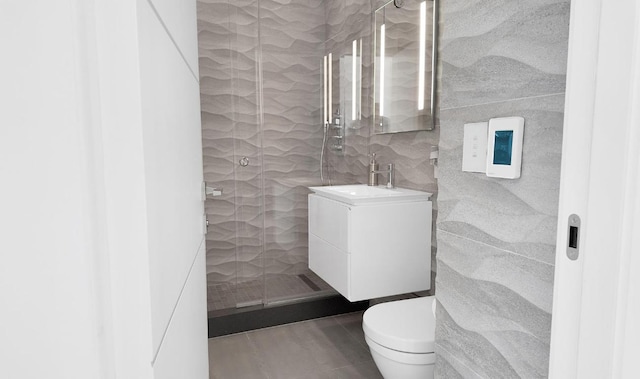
<point x="371" y="249"/>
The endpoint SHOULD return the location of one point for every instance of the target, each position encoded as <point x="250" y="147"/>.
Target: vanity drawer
<point x="330" y="263"/>
<point x="371" y="250"/>
<point x="329" y="220"/>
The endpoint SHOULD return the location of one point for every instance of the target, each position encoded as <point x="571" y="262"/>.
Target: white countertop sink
<point x="356" y="194"/>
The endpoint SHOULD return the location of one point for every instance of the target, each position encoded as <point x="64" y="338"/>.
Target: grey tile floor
<point x="330" y="347"/>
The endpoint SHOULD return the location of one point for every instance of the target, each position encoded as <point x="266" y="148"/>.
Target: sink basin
<point x="356" y="194"/>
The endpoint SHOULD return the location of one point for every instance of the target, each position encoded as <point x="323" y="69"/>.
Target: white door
<point x="595" y="331"/>
<point x="150" y="127"/>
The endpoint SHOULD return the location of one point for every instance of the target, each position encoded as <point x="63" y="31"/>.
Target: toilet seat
<point x="405" y="325"/>
<point x="400" y="356"/>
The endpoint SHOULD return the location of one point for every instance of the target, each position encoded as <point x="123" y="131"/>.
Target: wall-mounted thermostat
<point x="504" y="150"/>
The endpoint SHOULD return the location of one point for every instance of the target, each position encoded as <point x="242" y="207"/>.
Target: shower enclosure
<point x="261" y="79"/>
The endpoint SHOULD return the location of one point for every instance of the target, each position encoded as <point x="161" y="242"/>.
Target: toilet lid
<point x="404" y="325"/>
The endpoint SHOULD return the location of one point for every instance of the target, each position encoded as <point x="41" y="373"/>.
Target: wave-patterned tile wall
<point x="496" y="237"/>
<point x="228" y="56"/>
<point x="259" y="224"/>
<point x="347" y="21"/>
<point x="291" y="33"/>
<point x="261" y="86"/>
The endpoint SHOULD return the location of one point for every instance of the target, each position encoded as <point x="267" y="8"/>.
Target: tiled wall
<point x="228" y="48"/>
<point x="496" y="237"/>
<point x="347" y="21"/>
<point x="268" y="110"/>
<point x="291" y="32"/>
<point x="284" y="146"/>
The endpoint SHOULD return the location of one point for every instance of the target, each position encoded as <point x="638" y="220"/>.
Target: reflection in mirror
<point x="342" y="93"/>
<point x="405" y="66"/>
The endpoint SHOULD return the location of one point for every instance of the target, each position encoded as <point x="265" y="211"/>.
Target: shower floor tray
<point x="225" y="298"/>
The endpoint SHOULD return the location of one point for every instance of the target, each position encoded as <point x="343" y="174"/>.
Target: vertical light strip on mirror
<point x="434" y="24"/>
<point x="360" y="82"/>
<point x="382" y="48"/>
<point x="422" y="54"/>
<point x="325" y="120"/>
<point x="330" y="88"/>
<point x="354" y="72"/>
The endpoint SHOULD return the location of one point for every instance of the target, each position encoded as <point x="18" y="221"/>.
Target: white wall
<point x="101" y="219"/>
<point x="53" y="301"/>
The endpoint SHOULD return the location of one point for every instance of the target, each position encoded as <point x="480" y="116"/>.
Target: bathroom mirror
<point x="404" y="66"/>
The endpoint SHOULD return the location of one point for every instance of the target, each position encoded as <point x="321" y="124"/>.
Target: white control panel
<point x="474" y="147"/>
<point x="494" y="147"/>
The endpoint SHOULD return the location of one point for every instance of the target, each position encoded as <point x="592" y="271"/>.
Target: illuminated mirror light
<point x="354" y="88"/>
<point x="330" y="87"/>
<point x="382" y="48"/>
<point x="423" y="49"/>
<point x="324" y="97"/>
<point x="434" y="21"/>
<point x="360" y="82"/>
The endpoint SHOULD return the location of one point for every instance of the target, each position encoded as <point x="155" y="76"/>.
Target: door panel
<point x="173" y="162"/>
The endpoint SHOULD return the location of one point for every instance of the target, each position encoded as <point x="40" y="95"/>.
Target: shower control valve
<point x="244" y="161"/>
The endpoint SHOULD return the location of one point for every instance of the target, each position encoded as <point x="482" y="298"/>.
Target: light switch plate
<point x="474" y="147"/>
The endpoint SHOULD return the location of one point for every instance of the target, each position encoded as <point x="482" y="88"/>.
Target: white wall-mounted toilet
<point x="401" y="335"/>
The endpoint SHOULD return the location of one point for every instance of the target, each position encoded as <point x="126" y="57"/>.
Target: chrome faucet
<point x="391" y="174"/>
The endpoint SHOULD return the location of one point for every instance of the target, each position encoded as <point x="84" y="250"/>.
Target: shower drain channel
<point x="309" y="283"/>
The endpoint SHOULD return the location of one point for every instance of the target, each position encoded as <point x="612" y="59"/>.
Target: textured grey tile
<point x="282" y="353"/>
<point x="346" y="16"/>
<point x="447" y="366"/>
<point x="352" y="322"/>
<point x="227" y="35"/>
<point x="283" y="145"/>
<point x="518" y="215"/>
<point x="489" y="327"/>
<point x="410" y="153"/>
<point x="362" y="370"/>
<point x="471" y="351"/>
<point x="318" y="348"/>
<point x="234" y="357"/>
<point x="500" y="50"/>
<point x="296" y="25"/>
<point x="328" y="343"/>
<point x="343" y="26"/>
<point x="529" y="280"/>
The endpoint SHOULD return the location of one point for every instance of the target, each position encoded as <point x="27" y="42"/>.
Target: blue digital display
<point x="502" y="147"/>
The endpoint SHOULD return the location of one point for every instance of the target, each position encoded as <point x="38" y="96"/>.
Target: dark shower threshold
<point x="283" y="314"/>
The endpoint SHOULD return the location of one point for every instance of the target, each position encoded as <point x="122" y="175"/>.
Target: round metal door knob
<point x="244" y="161"/>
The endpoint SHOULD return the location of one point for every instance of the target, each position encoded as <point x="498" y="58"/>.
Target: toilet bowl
<point x="401" y="335"/>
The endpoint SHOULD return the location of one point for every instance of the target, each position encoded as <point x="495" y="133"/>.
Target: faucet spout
<point x="391" y="176"/>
